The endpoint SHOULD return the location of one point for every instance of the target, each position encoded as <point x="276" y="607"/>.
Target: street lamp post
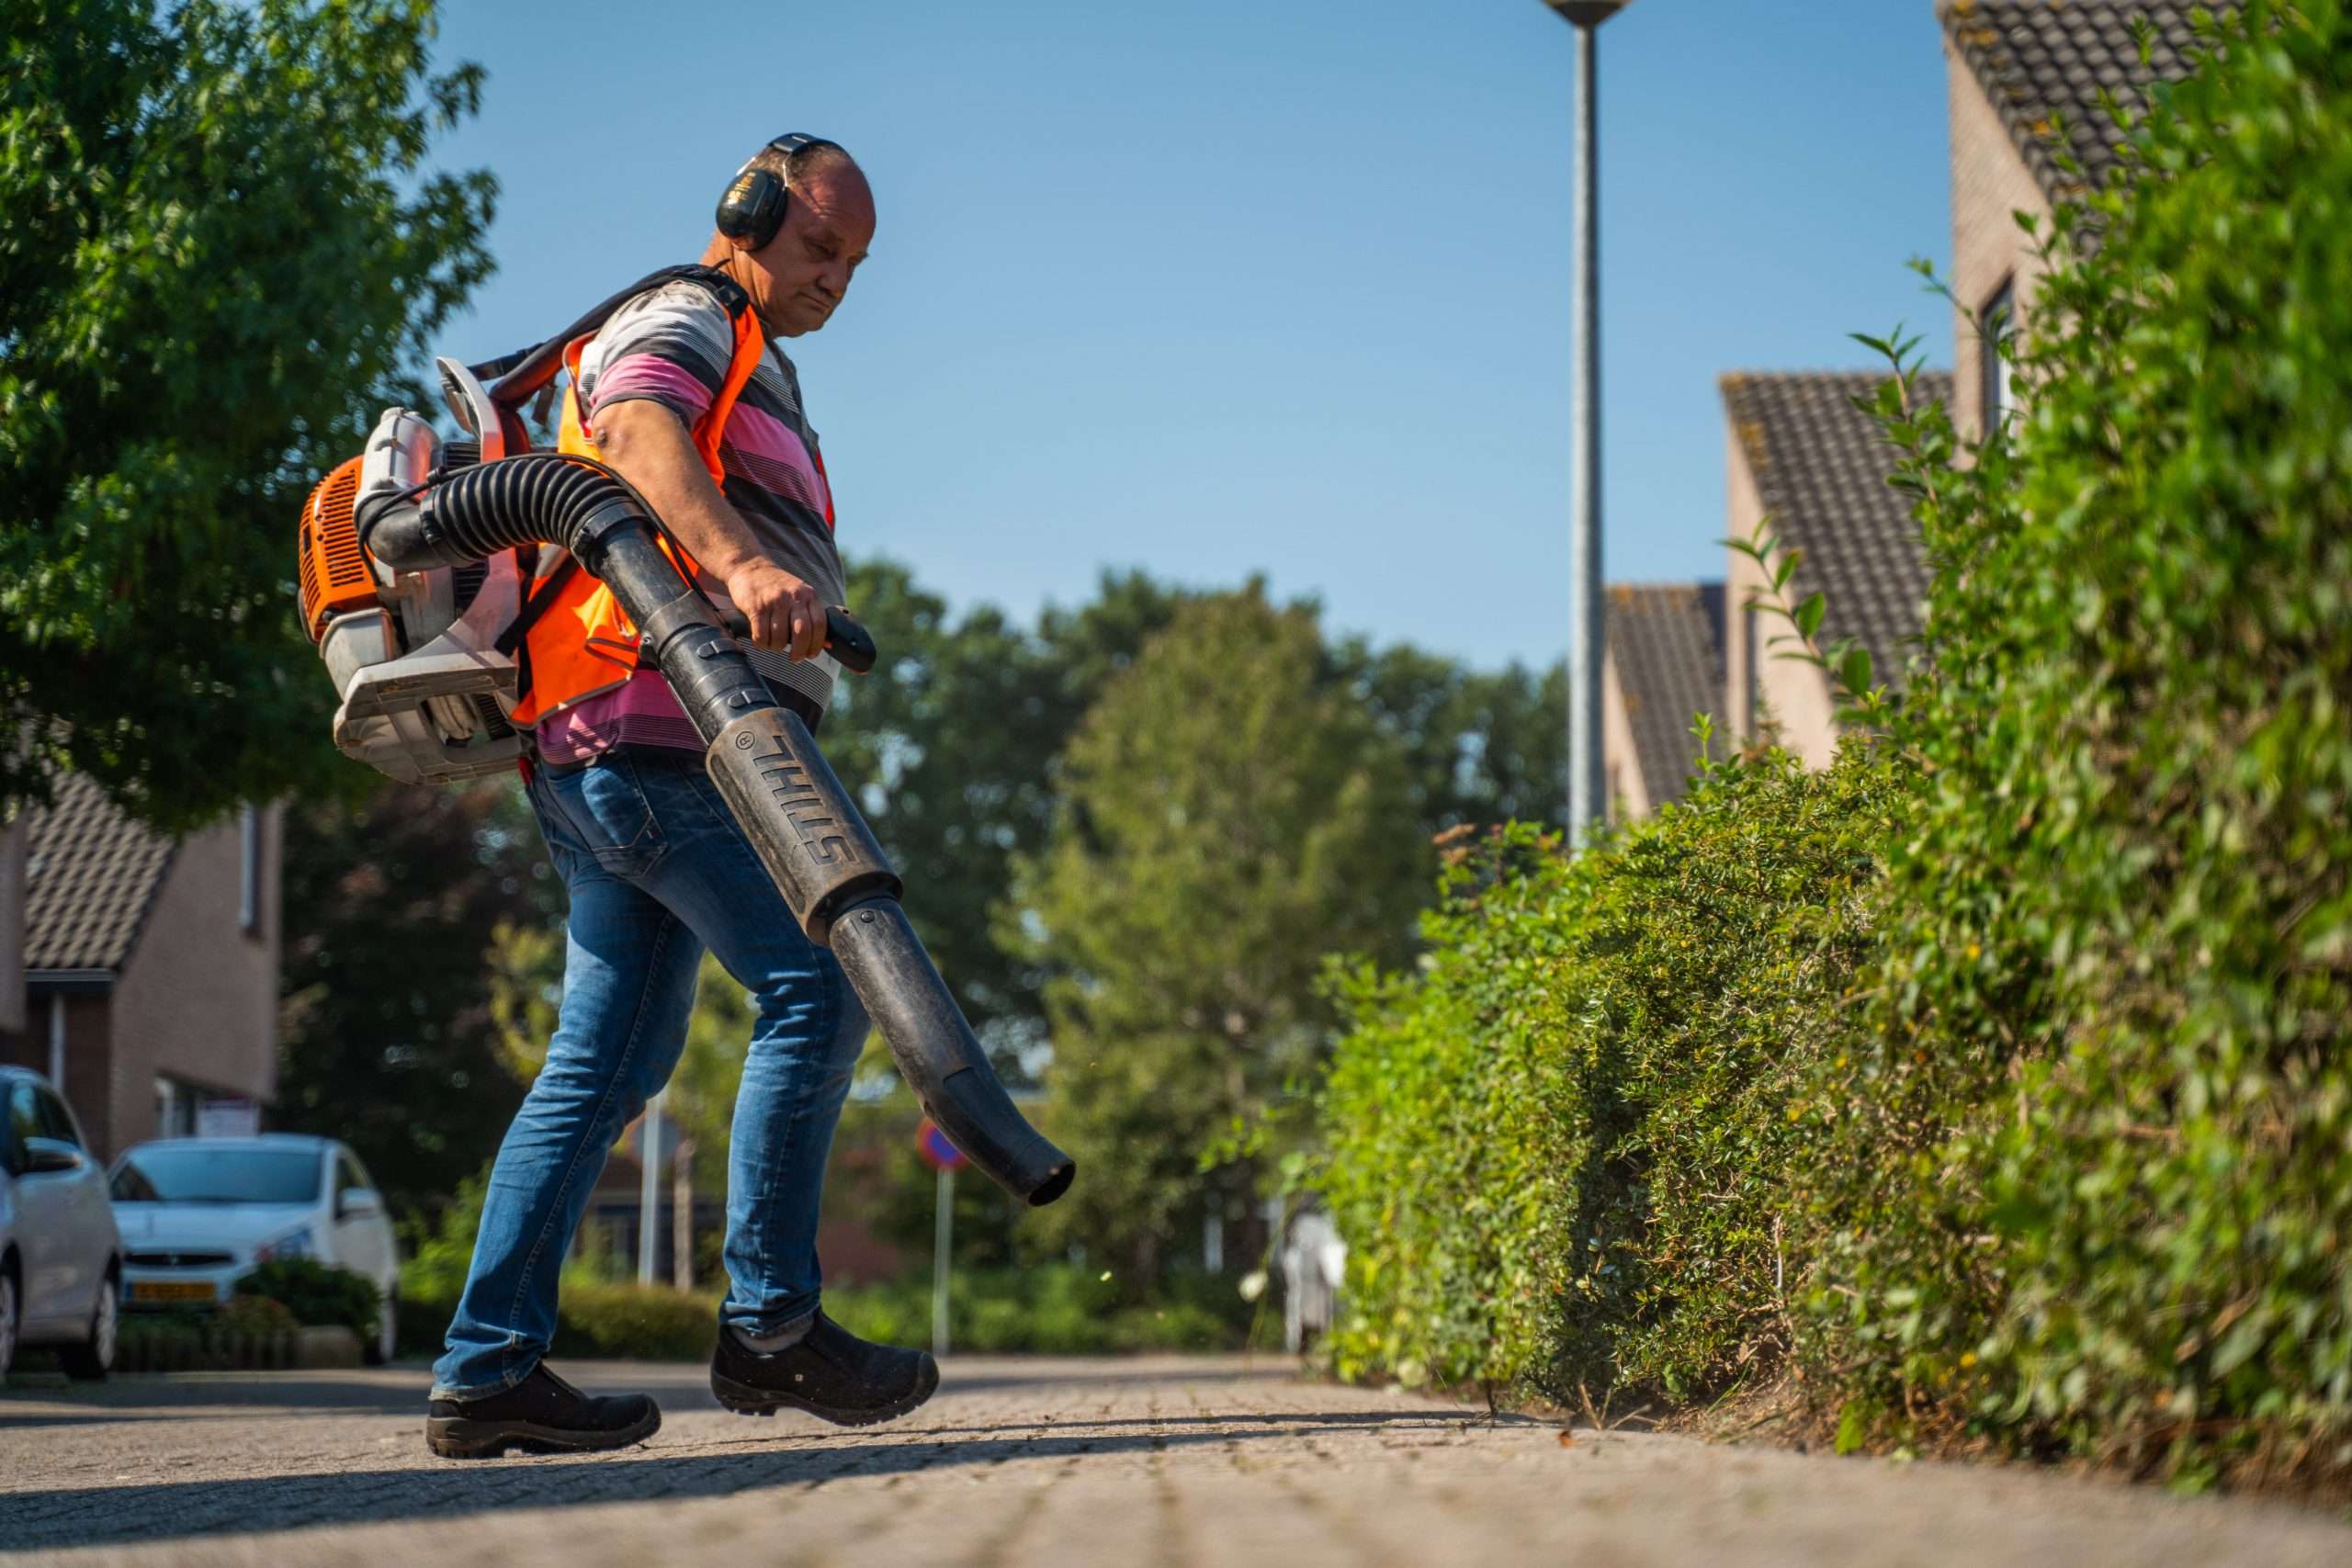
<point x="1586" y="799"/>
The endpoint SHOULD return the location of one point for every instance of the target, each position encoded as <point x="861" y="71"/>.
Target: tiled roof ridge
<point x="1688" y="587"/>
<point x="2037" y="61"/>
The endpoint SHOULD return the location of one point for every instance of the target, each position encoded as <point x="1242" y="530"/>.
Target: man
<point x="683" y="391"/>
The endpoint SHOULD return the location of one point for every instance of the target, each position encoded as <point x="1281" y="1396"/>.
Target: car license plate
<point x="173" y="1290"/>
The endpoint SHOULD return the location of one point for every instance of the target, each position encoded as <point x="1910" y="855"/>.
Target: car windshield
<point x="161" y="1174"/>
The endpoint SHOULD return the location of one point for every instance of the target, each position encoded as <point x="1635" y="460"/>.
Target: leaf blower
<point x="409" y="578"/>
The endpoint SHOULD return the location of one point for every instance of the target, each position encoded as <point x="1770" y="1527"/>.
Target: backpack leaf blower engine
<point x="409" y="574"/>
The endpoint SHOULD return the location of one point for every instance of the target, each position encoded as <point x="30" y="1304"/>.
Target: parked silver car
<point x="199" y="1214"/>
<point x="61" y="1260"/>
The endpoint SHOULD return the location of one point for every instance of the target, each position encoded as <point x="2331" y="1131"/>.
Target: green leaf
<point x="1809" y="613"/>
<point x="1853" y="1427"/>
<point x="1854" y="671"/>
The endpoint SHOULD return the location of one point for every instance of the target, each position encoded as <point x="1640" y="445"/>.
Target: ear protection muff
<point x="752" y="208"/>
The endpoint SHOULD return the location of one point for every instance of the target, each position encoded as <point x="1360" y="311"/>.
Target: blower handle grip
<point x="846" y="638"/>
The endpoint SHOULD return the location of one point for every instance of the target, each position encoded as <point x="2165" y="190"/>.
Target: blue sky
<point x="1212" y="288"/>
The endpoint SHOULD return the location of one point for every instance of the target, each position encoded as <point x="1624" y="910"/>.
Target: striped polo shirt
<point x="672" y="345"/>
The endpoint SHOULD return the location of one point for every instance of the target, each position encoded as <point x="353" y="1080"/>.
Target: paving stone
<point x="1148" y="1463"/>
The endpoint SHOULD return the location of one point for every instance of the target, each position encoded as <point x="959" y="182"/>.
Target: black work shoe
<point x="542" y="1415"/>
<point x="831" y="1373"/>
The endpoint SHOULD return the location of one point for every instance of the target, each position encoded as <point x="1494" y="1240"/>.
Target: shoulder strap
<point x="542" y="595"/>
<point x="520" y="374"/>
<point x="750" y="346"/>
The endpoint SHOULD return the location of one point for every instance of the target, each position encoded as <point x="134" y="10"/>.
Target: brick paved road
<point x="1132" y="1464"/>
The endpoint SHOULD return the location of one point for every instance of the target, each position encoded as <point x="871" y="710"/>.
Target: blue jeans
<point x="657" y="869"/>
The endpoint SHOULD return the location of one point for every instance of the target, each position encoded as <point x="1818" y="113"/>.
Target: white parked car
<point x="199" y="1214"/>
<point x="60" y="1265"/>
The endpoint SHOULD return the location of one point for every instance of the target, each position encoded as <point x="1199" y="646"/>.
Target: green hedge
<point x="1997" y="1081"/>
<point x="1053" y="1309"/>
<point x="1562" y="1146"/>
<point x="244" y="1333"/>
<point x="593" y="1317"/>
<point x="318" y="1294"/>
<point x="1056" y="1309"/>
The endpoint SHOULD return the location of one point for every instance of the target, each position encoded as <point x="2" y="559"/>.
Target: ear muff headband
<point x="753" y="210"/>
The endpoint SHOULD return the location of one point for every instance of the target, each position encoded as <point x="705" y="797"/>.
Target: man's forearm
<point x="649" y="448"/>
<point x="646" y="443"/>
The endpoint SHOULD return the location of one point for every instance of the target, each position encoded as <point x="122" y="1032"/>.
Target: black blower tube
<point x="806" y="830"/>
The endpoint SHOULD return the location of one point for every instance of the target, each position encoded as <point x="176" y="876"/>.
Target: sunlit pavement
<point x="1128" y="1463"/>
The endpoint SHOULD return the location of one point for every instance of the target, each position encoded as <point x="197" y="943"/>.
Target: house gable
<point x="91" y="876"/>
<point x="1805" y="460"/>
<point x="2045" y="65"/>
<point x="2026" y="79"/>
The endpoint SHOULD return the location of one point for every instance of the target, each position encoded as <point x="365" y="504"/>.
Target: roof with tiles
<point x="1666" y="642"/>
<point x="90" y="875"/>
<point x="2042" y="62"/>
<point x="1821" y="467"/>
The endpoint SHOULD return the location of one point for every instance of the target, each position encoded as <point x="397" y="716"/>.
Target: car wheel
<point x="7" y="1321"/>
<point x="388" y="1330"/>
<point x="93" y="1359"/>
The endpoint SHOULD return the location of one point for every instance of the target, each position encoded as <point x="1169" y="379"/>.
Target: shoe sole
<point x="745" y="1399"/>
<point x="459" y="1437"/>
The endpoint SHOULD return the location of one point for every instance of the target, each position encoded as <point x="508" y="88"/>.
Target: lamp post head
<point x="1587" y="13"/>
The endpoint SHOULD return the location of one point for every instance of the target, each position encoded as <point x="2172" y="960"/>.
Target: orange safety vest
<point x="579" y="644"/>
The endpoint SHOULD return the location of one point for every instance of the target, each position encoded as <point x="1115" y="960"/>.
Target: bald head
<point x="797" y="279"/>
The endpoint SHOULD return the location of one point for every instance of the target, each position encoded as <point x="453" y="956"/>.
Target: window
<point x="1999" y="384"/>
<point x="23" y="1122"/>
<point x="175" y="1109"/>
<point x="214" y="1174"/>
<point x="56" y="1121"/>
<point x="249" y="845"/>
<point x="347" y="1175"/>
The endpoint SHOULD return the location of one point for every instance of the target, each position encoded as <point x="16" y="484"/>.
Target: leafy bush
<point x="1055" y="1309"/>
<point x="649" y="1323"/>
<point x="2112" y="1020"/>
<point x="1562" y="1150"/>
<point x="2004" y="1075"/>
<point x="243" y="1333"/>
<point x="264" y="1315"/>
<point x="1050" y="1309"/>
<point x="318" y="1294"/>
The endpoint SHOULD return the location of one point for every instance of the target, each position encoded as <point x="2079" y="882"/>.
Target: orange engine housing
<point x="335" y="575"/>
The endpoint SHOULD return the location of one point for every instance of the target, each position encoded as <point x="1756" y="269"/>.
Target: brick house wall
<point x="1990" y="185"/>
<point x="197" y="999"/>
<point x="14" y="1014"/>
<point x="143" y="961"/>
<point x="1794" y="694"/>
<point x="1621" y="762"/>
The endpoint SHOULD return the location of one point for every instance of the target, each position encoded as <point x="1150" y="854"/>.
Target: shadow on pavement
<point x="183" y="1398"/>
<point x="116" y="1515"/>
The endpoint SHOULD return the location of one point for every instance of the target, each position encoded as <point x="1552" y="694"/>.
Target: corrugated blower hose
<point x="806" y="828"/>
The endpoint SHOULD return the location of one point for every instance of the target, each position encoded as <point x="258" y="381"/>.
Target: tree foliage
<point x="1228" y="819"/>
<point x="950" y="747"/>
<point x="221" y="246"/>
<point x="386" y="1037"/>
